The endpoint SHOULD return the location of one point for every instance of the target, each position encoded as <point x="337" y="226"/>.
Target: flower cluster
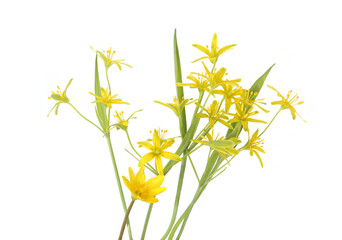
<point x="220" y="100"/>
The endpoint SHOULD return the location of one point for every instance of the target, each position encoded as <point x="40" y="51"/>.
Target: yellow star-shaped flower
<point x="107" y="57"/>
<point x="60" y="97"/>
<point x="214" y="114"/>
<point x="157" y="148"/>
<point x="254" y="145"/>
<point x="215" y="52"/>
<point x="144" y="190"/>
<point x="108" y="99"/>
<point x="243" y="116"/>
<point x="287" y="103"/>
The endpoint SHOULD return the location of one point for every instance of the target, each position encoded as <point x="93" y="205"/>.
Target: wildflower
<point x="230" y="95"/>
<point x="225" y="147"/>
<point x="287" y="103"/>
<point x="107" y="99"/>
<point x="243" y="115"/>
<point x="214" y="114"/>
<point x="144" y="190"/>
<point x="108" y="59"/>
<point x="198" y="82"/>
<point x="177" y="106"/>
<point x="157" y="148"/>
<point x="60" y="97"/>
<point x="215" y="52"/>
<point x="248" y="98"/>
<point x="122" y="123"/>
<point x="254" y="144"/>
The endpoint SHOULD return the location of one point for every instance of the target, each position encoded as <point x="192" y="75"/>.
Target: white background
<point x="56" y="176"/>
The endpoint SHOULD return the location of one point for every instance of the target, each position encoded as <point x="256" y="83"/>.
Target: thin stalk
<point x="125" y="219"/>
<point x="191" y="131"/>
<point x="147" y="219"/>
<point x="85" y="118"/>
<point x="117" y="176"/>
<point x="178" y="193"/>
<point x="108" y="81"/>
<point x="193" y="167"/>
<point x="270" y="122"/>
<point x="130" y="143"/>
<point x="148" y="166"/>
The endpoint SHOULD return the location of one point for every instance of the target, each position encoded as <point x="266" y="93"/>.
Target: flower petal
<point x="171" y="156"/>
<point x="146" y="158"/>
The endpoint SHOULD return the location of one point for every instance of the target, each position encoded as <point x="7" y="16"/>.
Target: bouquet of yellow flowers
<point x="221" y="104"/>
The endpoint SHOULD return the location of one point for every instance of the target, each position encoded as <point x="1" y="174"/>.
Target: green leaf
<point x="180" y="92"/>
<point x="100" y="108"/>
<point x="256" y="87"/>
<point x="258" y="84"/>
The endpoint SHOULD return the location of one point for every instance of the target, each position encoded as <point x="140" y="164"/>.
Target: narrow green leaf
<point x="100" y="108"/>
<point x="256" y="87"/>
<point x="180" y="92"/>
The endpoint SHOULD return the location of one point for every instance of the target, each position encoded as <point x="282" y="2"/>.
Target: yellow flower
<point x="157" y="148"/>
<point x="107" y="99"/>
<point x="214" y="115"/>
<point x="215" y="52"/>
<point x="287" y="103"/>
<point x="122" y="123"/>
<point x="230" y="95"/>
<point x="198" y="82"/>
<point x="225" y="147"/>
<point x="60" y="97"/>
<point x="144" y="190"/>
<point x="243" y="116"/>
<point x="108" y="59"/>
<point x="254" y="144"/>
<point x="247" y="98"/>
<point x="177" y="106"/>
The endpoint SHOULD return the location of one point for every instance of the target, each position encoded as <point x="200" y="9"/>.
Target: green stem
<point x="190" y="133"/>
<point x="108" y="81"/>
<point x="130" y="143"/>
<point x="117" y="176"/>
<point x="126" y="219"/>
<point x="193" y="167"/>
<point x="148" y="165"/>
<point x="270" y="122"/>
<point x="85" y="117"/>
<point x="146" y="221"/>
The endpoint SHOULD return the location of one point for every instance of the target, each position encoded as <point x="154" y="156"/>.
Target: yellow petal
<point x="155" y="182"/>
<point x="157" y="191"/>
<point x="202" y="49"/>
<point x="155" y="138"/>
<point x="126" y="182"/>
<point x="224" y="49"/>
<point x="167" y="144"/>
<point x="150" y="200"/>
<point x="159" y="165"/>
<point x="146" y="145"/>
<point x="131" y="174"/>
<point x="171" y="156"/>
<point x="140" y="178"/>
<point x="146" y="158"/>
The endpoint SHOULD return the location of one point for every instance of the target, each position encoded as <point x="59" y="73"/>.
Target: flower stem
<point x="270" y="122"/>
<point x="130" y="143"/>
<point x="85" y="117"/>
<point x="193" y="167"/>
<point x="118" y="181"/>
<point x="108" y="81"/>
<point x="147" y="219"/>
<point x="126" y="219"/>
